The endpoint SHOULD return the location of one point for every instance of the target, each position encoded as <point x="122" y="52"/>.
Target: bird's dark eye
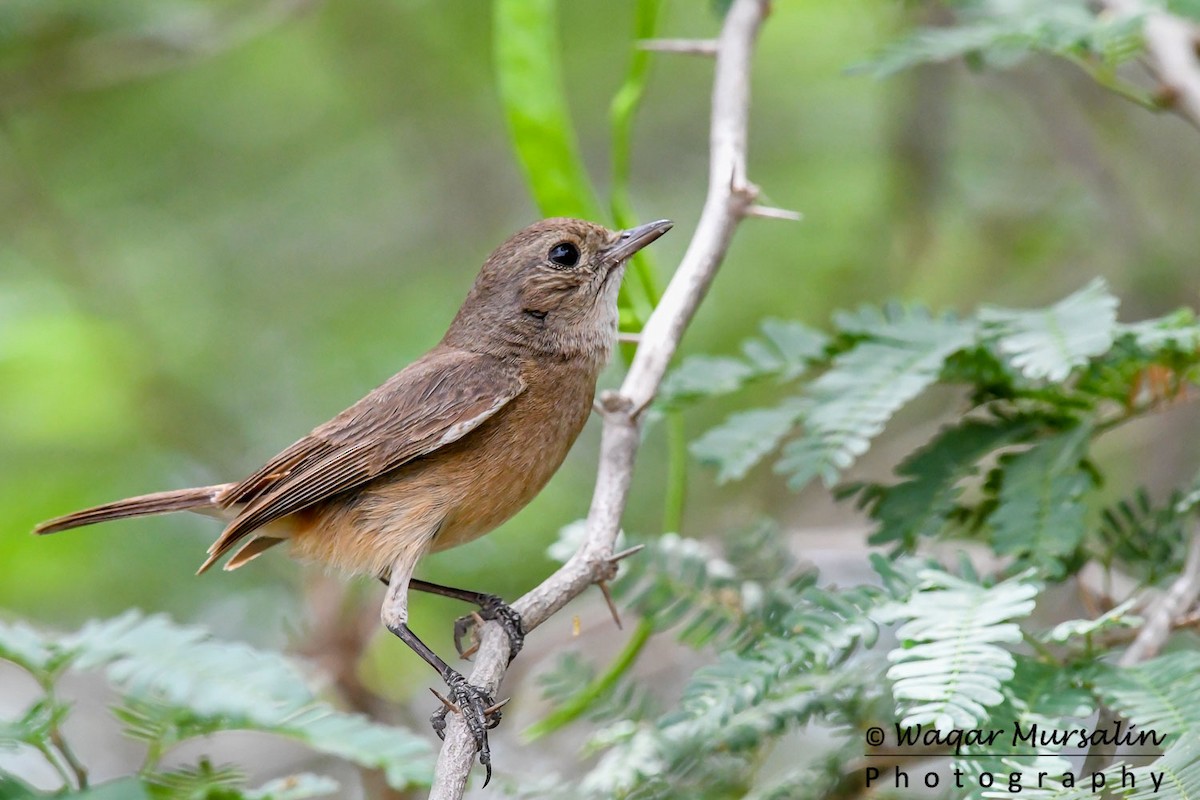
<point x="564" y="254"/>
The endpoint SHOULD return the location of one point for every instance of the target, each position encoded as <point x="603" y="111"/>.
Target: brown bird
<point x="445" y="450"/>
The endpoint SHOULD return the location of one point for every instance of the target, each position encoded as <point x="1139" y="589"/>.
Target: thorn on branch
<point x="616" y="558"/>
<point x="612" y="606"/>
<point x="768" y="212"/>
<point x="689" y="47"/>
<point x="450" y="706"/>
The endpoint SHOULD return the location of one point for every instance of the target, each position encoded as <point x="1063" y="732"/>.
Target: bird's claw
<point x="479" y="713"/>
<point x="492" y="608"/>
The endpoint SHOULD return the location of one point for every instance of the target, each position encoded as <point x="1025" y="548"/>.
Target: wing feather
<point x="432" y="403"/>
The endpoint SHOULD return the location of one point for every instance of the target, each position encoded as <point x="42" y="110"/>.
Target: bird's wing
<point x="433" y="402"/>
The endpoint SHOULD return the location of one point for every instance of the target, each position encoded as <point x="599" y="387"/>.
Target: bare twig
<point x="1163" y="615"/>
<point x="730" y="194"/>
<point x="691" y="47"/>
<point x="1171" y="46"/>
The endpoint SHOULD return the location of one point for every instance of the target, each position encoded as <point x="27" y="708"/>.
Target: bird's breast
<point x="499" y="468"/>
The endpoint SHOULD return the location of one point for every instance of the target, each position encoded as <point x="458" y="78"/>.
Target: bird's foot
<point x="491" y="608"/>
<point x="479" y="712"/>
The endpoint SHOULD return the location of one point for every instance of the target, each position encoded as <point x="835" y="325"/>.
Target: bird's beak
<point x="630" y="241"/>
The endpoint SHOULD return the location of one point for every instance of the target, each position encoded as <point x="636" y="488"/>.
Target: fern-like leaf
<point x="922" y="505"/>
<point x="899" y="357"/>
<point x="197" y="782"/>
<point x="177" y="682"/>
<point x="1003" y="33"/>
<point x="745" y="438"/>
<point x="783" y="352"/>
<point x="950" y="666"/>
<point x="1048" y="344"/>
<point x="1040" y="515"/>
<point x="1118" y="617"/>
<point x="1147" y="538"/>
<point x="1161" y="695"/>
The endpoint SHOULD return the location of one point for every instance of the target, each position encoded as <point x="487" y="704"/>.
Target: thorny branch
<point x="1173" y="49"/>
<point x="1165" y="613"/>
<point x="730" y="198"/>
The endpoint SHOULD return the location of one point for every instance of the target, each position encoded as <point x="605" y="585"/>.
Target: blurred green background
<point x="222" y="222"/>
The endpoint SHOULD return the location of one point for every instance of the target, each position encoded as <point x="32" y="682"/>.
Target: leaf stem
<point x="577" y="705"/>
<point x="46" y="680"/>
<point x="677" y="461"/>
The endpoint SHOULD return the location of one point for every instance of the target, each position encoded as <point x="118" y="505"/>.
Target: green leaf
<point x="1179" y="331"/>
<point x="529" y="74"/>
<point x="1180" y="770"/>
<point x="1040" y="696"/>
<point x="1185" y="8"/>
<point x="850" y="404"/>
<point x="27" y="648"/>
<point x="1048" y="344"/>
<point x="13" y="789"/>
<point x="922" y="505"/>
<point x="34" y="726"/>
<point x="1118" y="617"/>
<point x="1040" y="513"/>
<point x="1001" y="34"/>
<point x="950" y="667"/>
<point x="704" y="376"/>
<point x="1148" y="539"/>
<point x="123" y="789"/>
<point x="197" y="782"/>
<point x="622" y="112"/>
<point x="1161" y="695"/>
<point x="745" y="438"/>
<point x="784" y="351"/>
<point x="177" y="682"/>
<point x="294" y="787"/>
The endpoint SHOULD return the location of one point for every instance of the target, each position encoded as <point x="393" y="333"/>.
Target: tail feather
<point x="144" y="505"/>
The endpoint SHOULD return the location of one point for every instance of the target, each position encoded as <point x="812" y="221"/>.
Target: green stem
<point x="677" y="456"/>
<point x="55" y="759"/>
<point x="1107" y="78"/>
<point x="576" y="706"/>
<point x="621" y="114"/>
<point x="1042" y="650"/>
<point x="66" y="755"/>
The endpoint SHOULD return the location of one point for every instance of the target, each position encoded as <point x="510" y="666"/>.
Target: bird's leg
<point x="491" y="607"/>
<point x="479" y="711"/>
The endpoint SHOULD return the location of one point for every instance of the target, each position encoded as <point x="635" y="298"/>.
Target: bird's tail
<point x="198" y="499"/>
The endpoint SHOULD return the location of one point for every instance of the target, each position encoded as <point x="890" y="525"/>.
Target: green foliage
<point x="1118" y="617"/>
<point x="924" y="503"/>
<point x="529" y="76"/>
<point x="1048" y="344"/>
<point x="950" y="666"/>
<point x="1162" y="695"/>
<point x="897" y="356"/>
<point x="1039" y="513"/>
<point x="746" y="438"/>
<point x="1043" y="385"/>
<point x="176" y="683"/>
<point x="783" y="352"/>
<point x="1015" y="473"/>
<point x="1000" y="33"/>
<point x="1145" y="537"/>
